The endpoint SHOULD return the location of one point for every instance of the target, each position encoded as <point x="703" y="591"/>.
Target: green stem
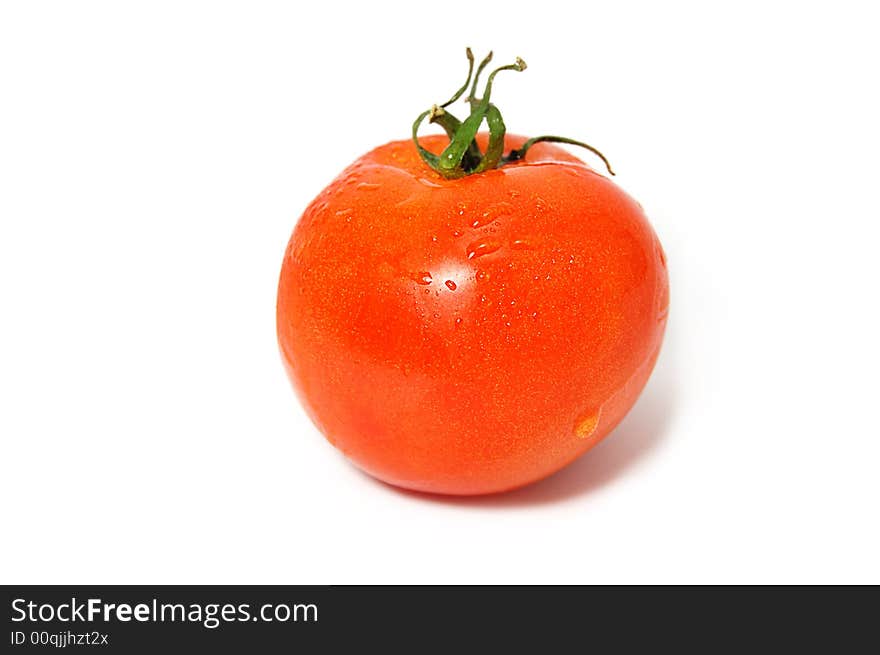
<point x="515" y="155"/>
<point x="472" y="99"/>
<point x="451" y="125"/>
<point x="450" y="163"/>
<point x="463" y="156"/>
<point x="470" y="56"/>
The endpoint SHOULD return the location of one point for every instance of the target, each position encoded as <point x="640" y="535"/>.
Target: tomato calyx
<point x="463" y="156"/>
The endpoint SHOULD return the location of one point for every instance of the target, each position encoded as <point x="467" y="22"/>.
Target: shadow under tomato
<point x="632" y="442"/>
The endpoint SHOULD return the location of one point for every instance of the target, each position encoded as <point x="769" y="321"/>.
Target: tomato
<point x="470" y="335"/>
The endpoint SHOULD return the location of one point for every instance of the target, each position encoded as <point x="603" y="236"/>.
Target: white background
<point x="154" y="157"/>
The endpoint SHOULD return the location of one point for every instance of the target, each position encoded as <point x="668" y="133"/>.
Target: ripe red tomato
<point x="472" y="335"/>
<point x="474" y="331"/>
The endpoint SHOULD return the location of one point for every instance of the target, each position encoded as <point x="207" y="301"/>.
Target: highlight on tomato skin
<point x="470" y="329"/>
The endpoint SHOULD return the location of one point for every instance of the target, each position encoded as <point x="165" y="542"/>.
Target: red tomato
<point x="471" y="335"/>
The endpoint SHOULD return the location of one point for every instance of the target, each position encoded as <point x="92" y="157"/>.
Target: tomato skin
<point x="470" y="336"/>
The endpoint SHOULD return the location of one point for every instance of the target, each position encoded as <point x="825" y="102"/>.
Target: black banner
<point x="150" y="619"/>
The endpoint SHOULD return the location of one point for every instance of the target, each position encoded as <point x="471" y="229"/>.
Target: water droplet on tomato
<point x="587" y="423"/>
<point x="521" y="244"/>
<point x="482" y="247"/>
<point x="422" y="277"/>
<point x="451" y="285"/>
<point x="492" y="214"/>
<point x="368" y="186"/>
